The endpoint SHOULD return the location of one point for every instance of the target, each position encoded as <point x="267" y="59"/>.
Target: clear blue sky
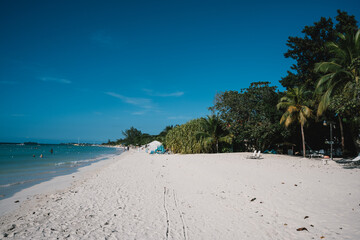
<point x="90" y="69"/>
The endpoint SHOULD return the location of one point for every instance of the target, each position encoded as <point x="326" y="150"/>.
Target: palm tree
<point x="212" y="132"/>
<point x="297" y="109"/>
<point x="341" y="75"/>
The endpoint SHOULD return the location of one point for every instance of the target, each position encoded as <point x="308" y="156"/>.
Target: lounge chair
<point x="252" y="156"/>
<point x="256" y="155"/>
<point x="350" y="162"/>
<point x="355" y="161"/>
<point x="160" y="150"/>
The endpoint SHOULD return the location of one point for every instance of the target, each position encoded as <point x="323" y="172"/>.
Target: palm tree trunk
<point x="217" y="146"/>
<point x="303" y="139"/>
<point x="355" y="130"/>
<point x="342" y="135"/>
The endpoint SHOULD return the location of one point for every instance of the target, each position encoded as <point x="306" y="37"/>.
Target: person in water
<point x="41" y="156"/>
<point x="52" y="151"/>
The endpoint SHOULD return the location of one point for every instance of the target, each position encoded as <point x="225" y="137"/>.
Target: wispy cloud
<point x="140" y="112"/>
<point x="146" y="105"/>
<point x="58" y="80"/>
<point x="142" y="102"/>
<point x="8" y="82"/>
<point x="158" y="94"/>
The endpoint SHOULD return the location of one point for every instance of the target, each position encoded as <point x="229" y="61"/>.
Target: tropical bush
<point x="182" y="139"/>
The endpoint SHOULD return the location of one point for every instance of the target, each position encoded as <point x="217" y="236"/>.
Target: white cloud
<point x="142" y="102"/>
<point x="58" y="80"/>
<point x="146" y="105"/>
<point x="158" y="94"/>
<point x="139" y="113"/>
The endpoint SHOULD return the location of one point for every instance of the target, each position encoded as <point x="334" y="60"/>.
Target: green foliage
<point x="134" y="137"/>
<point x="296" y="106"/>
<point x="308" y="50"/>
<point x="340" y="76"/>
<point x="182" y="139"/>
<point x="162" y="136"/>
<point x="339" y="87"/>
<point x="251" y="116"/>
<point x="213" y="133"/>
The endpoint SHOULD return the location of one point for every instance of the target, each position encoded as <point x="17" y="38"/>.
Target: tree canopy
<point x="327" y="66"/>
<point x="251" y="115"/>
<point x="310" y="49"/>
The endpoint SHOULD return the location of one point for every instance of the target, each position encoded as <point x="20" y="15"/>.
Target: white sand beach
<point x="204" y="196"/>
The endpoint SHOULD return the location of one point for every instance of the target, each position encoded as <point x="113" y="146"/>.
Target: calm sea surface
<point x="21" y="165"/>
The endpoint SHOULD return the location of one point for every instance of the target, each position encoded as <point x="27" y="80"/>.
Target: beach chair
<point x="160" y="150"/>
<point x="258" y="155"/>
<point x="252" y="156"/>
<point x="350" y="162"/>
<point x="355" y="161"/>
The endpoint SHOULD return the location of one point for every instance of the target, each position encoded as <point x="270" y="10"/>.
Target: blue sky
<point x="90" y="69"/>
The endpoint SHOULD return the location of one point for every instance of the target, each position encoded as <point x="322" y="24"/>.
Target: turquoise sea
<point x="21" y="165"/>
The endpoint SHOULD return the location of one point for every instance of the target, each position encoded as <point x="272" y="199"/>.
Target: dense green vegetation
<point x="134" y="137"/>
<point x="251" y="116"/>
<point x="322" y="84"/>
<point x="297" y="109"/>
<point x="182" y="139"/>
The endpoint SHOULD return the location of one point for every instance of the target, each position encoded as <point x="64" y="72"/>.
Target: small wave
<point x="18" y="183"/>
<point x="75" y="163"/>
<point x="79" y="162"/>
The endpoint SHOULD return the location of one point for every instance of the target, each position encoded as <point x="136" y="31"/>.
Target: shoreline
<point x="202" y="196"/>
<point x="24" y="166"/>
<point x="58" y="183"/>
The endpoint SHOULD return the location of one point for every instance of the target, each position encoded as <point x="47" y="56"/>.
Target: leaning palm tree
<point x="297" y="109"/>
<point x="212" y="132"/>
<point x="341" y="73"/>
<point x="341" y="77"/>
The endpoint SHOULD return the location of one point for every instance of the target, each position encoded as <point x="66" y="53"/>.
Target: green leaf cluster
<point x="310" y="49"/>
<point x="183" y="139"/>
<point x="134" y="137"/>
<point x="251" y="116"/>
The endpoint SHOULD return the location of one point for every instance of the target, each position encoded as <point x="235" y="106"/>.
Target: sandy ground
<point x="205" y="196"/>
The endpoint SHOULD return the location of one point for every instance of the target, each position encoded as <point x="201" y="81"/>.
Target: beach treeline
<point x="321" y="86"/>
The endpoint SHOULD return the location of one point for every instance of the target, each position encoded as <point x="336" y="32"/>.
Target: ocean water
<point x="21" y="165"/>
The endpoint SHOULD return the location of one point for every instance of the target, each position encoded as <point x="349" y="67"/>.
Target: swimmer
<point x="41" y="155"/>
<point x="52" y="151"/>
